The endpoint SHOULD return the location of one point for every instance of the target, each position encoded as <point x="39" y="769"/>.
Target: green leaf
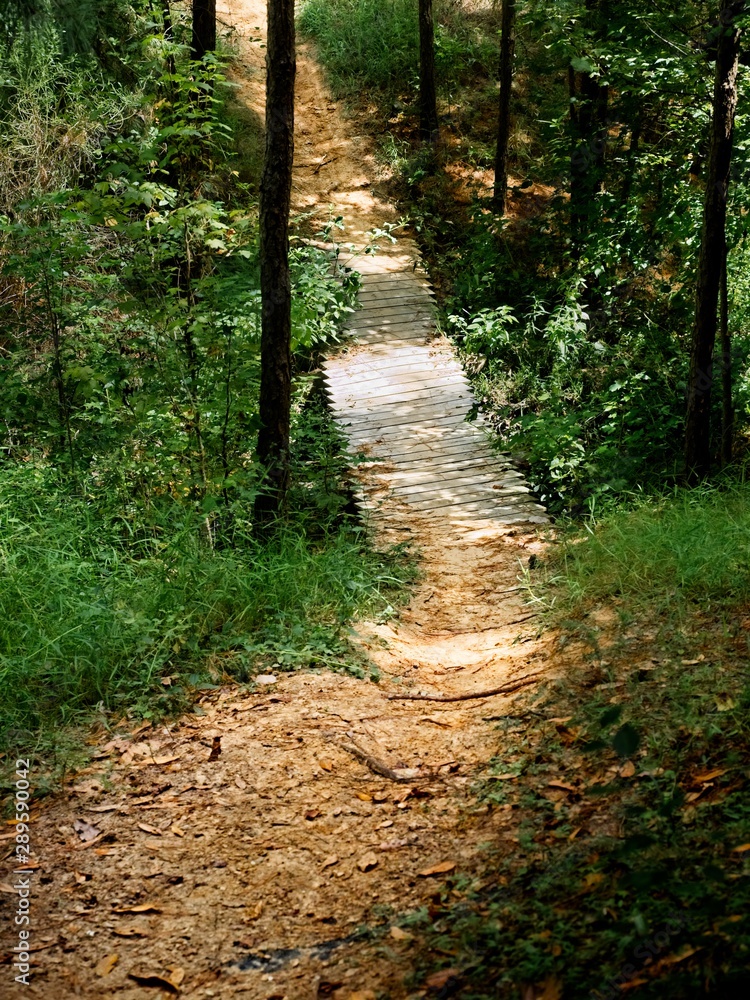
<point x="626" y="740"/>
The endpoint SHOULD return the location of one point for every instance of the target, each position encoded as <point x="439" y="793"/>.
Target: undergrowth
<point x="620" y="789"/>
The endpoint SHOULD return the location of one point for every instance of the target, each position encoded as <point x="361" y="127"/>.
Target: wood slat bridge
<point x="401" y="398"/>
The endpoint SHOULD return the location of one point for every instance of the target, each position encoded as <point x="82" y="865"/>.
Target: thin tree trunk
<point x="589" y="119"/>
<point x="727" y="410"/>
<point x="507" y="46"/>
<point x="428" y="117"/>
<point x="713" y="241"/>
<point x="275" y="283"/>
<point x="204" y="27"/>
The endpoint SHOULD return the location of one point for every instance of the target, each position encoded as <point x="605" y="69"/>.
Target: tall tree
<point x="428" y="116"/>
<point x="275" y="283"/>
<point x="204" y="27"/>
<point x="589" y="102"/>
<point x="507" y="47"/>
<point x="713" y="242"/>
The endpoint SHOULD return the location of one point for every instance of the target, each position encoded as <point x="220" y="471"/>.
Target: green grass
<point x="635" y="871"/>
<point x="94" y="610"/>
<point x="684" y="547"/>
<point x="375" y="43"/>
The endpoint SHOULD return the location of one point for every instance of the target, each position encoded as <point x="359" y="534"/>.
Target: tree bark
<point x="713" y="242"/>
<point x="428" y="117"/>
<point x="589" y="106"/>
<point x="275" y="283"/>
<point x="204" y="28"/>
<point x="725" y="340"/>
<point x="507" y="47"/>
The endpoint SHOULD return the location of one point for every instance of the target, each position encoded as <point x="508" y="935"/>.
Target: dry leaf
<point x="164" y="981"/>
<point x="5" y="887"/>
<point x="741" y="849"/>
<point x="332" y="860"/>
<point x="503" y="777"/>
<point x="364" y="796"/>
<point x="265" y="679"/>
<point x="561" y="784"/>
<point x="400" y="935"/>
<point x="628" y="769"/>
<point x="441" y="869"/>
<point x="81" y="877"/>
<point x="439" y="979"/>
<point x="312" y="814"/>
<point x="252" y="913"/>
<point x="102" y="809"/>
<point x="166" y="760"/>
<point x="240" y="782"/>
<point x="105" y="965"/>
<point x="724" y="703"/>
<point x="367" y="862"/>
<point x="149" y="829"/>
<point x="177" y="830"/>
<point x="701" y="779"/>
<point x="327" y="765"/>
<point x="86" y="831"/>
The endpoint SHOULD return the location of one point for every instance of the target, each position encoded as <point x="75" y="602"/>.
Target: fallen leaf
<point x="265" y="679"/>
<point x="327" y="765"/>
<point x="628" y="769"/>
<point x="177" y="830"/>
<point x="406" y="773"/>
<point x="252" y="913"/>
<point x="81" y="877"/>
<point x="393" y="845"/>
<point x="332" y="860"/>
<point x="439" y="979"/>
<point x="240" y="782"/>
<point x="149" y="829"/>
<point x="312" y="814"/>
<point x="503" y="777"/>
<point x="701" y="779"/>
<point x="562" y="784"/>
<point x="166" y="760"/>
<point x="215" y="749"/>
<point x="5" y="887"/>
<point x="364" y="796"/>
<point x="741" y="849"/>
<point x="105" y="965"/>
<point x="108" y="808"/>
<point x="86" y="831"/>
<point x="163" y="981"/>
<point x="724" y="703"/>
<point x="400" y="935"/>
<point x="367" y="862"/>
<point x="440" y="869"/>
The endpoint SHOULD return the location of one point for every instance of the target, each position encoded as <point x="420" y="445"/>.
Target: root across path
<point x="240" y="852"/>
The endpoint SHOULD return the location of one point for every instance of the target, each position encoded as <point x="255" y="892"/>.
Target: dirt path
<point x="247" y="873"/>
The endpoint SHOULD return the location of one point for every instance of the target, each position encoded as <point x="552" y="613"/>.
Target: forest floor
<point x="237" y="851"/>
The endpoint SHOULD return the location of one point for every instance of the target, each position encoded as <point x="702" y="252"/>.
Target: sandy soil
<point x="167" y="867"/>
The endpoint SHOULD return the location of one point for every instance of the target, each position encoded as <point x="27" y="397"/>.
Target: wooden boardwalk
<point x="401" y="398"/>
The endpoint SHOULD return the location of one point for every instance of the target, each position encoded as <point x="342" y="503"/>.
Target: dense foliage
<point x="129" y="372"/>
<point x="580" y="353"/>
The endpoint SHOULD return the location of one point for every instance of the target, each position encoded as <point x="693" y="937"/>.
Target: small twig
<point x="375" y="765"/>
<point x="503" y="689"/>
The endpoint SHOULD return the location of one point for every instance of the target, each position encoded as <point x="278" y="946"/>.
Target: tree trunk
<point x="275" y="284"/>
<point x="713" y="241"/>
<point x="589" y="104"/>
<point x="507" y="46"/>
<point x="727" y="409"/>
<point x="428" y="117"/>
<point x="204" y="27"/>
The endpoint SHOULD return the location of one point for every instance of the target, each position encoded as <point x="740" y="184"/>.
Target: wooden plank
<point x="446" y="391"/>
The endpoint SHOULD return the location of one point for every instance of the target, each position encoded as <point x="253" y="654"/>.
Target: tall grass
<point x="376" y="42"/>
<point x="687" y="546"/>
<point x="89" y="613"/>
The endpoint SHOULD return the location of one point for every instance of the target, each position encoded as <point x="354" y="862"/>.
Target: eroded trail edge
<point x="240" y="852"/>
